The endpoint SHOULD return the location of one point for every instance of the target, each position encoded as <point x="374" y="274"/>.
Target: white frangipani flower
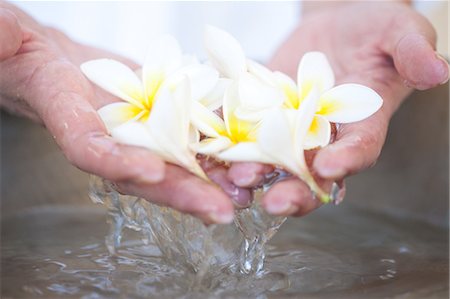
<point x="167" y="131"/>
<point x="342" y="104"/>
<point x="155" y="112"/>
<point x="222" y="134"/>
<point x="281" y="140"/>
<point x="232" y="134"/>
<point x="164" y="67"/>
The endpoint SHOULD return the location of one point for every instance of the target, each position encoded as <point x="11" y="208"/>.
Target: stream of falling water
<point x="184" y="241"/>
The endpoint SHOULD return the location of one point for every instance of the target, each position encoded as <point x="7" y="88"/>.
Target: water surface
<point x="337" y="252"/>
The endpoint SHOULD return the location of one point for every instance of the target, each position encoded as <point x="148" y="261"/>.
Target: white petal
<point x="171" y="127"/>
<point x="349" y="103"/>
<point x="116" y="114"/>
<point x="304" y="118"/>
<point x="214" y="99"/>
<point x="250" y="115"/>
<point x="289" y="88"/>
<point x="238" y="130"/>
<point x="314" y="69"/>
<point x="255" y="95"/>
<point x="182" y="99"/>
<point x="202" y="79"/>
<point x="116" y="78"/>
<point x="188" y="59"/>
<point x="166" y="126"/>
<point x="276" y="141"/>
<point x="163" y="57"/>
<point x="244" y="152"/>
<point x="211" y="146"/>
<point x="284" y="80"/>
<point x="319" y="133"/>
<point x="224" y="52"/>
<point x="194" y="135"/>
<point x="260" y="71"/>
<point x="207" y="121"/>
<point x="230" y="103"/>
<point x="137" y="134"/>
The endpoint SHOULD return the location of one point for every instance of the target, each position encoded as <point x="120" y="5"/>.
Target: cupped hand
<point x="40" y="79"/>
<point x="386" y="46"/>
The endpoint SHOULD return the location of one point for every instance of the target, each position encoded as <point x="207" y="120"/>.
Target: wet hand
<point x="41" y="80"/>
<point x="386" y="46"/>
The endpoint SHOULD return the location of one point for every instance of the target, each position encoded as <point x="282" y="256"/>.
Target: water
<point x="336" y="252"/>
<point x="184" y="241"/>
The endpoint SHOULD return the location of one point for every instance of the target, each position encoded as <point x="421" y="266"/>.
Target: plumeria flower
<point x="226" y="54"/>
<point x="156" y="110"/>
<point x="261" y="90"/>
<point x="294" y="116"/>
<point x="340" y="104"/>
<point x="222" y="134"/>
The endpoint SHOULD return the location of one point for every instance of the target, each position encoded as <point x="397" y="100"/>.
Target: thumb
<point x="412" y="44"/>
<point x="10" y="34"/>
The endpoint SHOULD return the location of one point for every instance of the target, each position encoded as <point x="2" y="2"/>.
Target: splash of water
<point x="184" y="240"/>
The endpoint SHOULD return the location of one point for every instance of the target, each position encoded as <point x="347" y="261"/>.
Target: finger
<point x="186" y="193"/>
<point x="248" y="174"/>
<point x="357" y="147"/>
<point x="412" y="45"/>
<point x="10" y="34"/>
<point x="290" y="197"/>
<point x="242" y="197"/>
<point x="60" y="95"/>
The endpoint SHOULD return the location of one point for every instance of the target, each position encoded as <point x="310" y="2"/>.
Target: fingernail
<point x="281" y="208"/>
<point x="243" y="198"/>
<point x="221" y="218"/>
<point x="245" y="180"/>
<point x="150" y="177"/>
<point x="330" y="172"/>
<point x="447" y="67"/>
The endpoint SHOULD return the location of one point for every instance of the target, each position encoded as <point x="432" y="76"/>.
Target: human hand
<point x="386" y="46"/>
<point x="41" y="79"/>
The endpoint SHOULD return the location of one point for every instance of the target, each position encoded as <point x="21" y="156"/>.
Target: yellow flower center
<point x="292" y="100"/>
<point x="240" y="130"/>
<point x="143" y="113"/>
<point x="327" y="106"/>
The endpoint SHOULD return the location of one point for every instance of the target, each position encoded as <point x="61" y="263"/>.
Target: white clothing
<point x="127" y="27"/>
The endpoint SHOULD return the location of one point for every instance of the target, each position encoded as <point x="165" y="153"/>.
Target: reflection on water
<point x="333" y="253"/>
